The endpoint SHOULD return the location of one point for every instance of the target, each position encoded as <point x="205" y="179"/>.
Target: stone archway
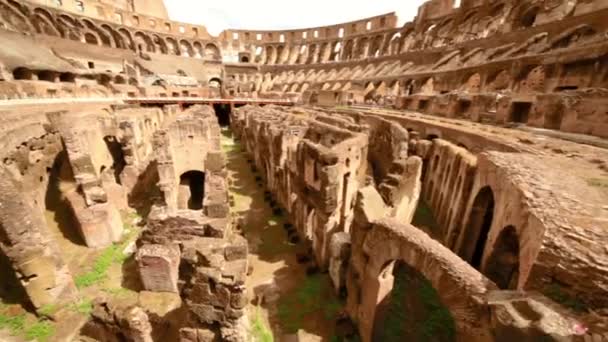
<point x="451" y="286"/>
<point x="409" y="308"/>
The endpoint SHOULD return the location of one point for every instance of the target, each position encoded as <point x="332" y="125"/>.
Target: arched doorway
<point x="503" y="264"/>
<point x="478" y="227"/>
<point x="194" y="182"/>
<point x="409" y="308"/>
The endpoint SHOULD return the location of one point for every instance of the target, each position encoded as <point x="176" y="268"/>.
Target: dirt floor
<point x="293" y="301"/>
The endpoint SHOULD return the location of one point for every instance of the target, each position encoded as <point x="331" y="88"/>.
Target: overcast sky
<point x="218" y="15"/>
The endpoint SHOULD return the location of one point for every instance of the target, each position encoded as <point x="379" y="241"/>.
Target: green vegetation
<point x="414" y="311"/>
<point x="424" y="217"/>
<point x="14" y="323"/>
<point x="85" y="306"/>
<point x="313" y="297"/>
<point x="110" y="256"/>
<point x="40" y="331"/>
<point x="259" y="330"/>
<point x="29" y="328"/>
<point x="557" y="294"/>
<point x="439" y="320"/>
<point x="48" y="310"/>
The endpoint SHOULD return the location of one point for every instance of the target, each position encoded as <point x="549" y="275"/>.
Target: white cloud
<point x="284" y="14"/>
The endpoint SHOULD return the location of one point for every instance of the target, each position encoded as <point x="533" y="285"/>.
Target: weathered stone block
<point x="159" y="267"/>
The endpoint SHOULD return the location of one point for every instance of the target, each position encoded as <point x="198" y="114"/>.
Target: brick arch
<point x="44" y="23"/>
<point x="498" y="80"/>
<point x="212" y="52"/>
<point x="143" y="42"/>
<point x="172" y="46"/>
<point x="160" y="44"/>
<point x="69" y="27"/>
<point x="14" y="18"/>
<point x="128" y="37"/>
<point x="186" y="48"/>
<point x="116" y="39"/>
<point x="104" y="38"/>
<point x="461" y="289"/>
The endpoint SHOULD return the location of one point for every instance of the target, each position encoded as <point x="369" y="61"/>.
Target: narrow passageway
<point x="283" y="297"/>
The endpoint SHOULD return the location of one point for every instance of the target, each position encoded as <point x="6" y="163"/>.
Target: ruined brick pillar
<point x="35" y="259"/>
<point x="99" y="220"/>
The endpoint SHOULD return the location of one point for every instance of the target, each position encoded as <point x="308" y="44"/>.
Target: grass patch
<point x="48" y="310"/>
<point x="424" y="217"/>
<point x="14" y="324"/>
<point x="110" y="256"/>
<point x="259" y="331"/>
<point x="19" y="325"/>
<point x="84" y="307"/>
<point x="313" y="297"/>
<point x="40" y="331"/>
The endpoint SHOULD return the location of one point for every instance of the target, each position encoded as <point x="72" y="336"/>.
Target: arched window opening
<point x="194" y="183"/>
<point x="90" y="38"/>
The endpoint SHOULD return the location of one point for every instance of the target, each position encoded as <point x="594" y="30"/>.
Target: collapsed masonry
<point x="187" y="255"/>
<point x="351" y="183"/>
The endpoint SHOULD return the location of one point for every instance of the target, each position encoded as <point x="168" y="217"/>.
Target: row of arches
<point x="455" y="29"/>
<point x="20" y="18"/>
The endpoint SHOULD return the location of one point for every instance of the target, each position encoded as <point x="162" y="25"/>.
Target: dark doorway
<point x="222" y="111"/>
<point x="196" y="182"/>
<point x="462" y="108"/>
<point x="423" y="104"/>
<point x="503" y="264"/>
<point x="520" y="112"/>
<point x="478" y="227"/>
<point x="118" y="157"/>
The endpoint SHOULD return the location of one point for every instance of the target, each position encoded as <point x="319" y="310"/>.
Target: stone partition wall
<point x="190" y="249"/>
<point x="190" y="143"/>
<point x="479" y="233"/>
<point x="479" y="312"/>
<point x="555" y="232"/>
<point x="98" y="218"/>
<point x="313" y="168"/>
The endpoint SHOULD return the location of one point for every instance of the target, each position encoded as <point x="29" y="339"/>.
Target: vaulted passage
<point x="503" y="264"/>
<point x="409" y="308"/>
<point x="192" y="186"/>
<point x="478" y="227"/>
